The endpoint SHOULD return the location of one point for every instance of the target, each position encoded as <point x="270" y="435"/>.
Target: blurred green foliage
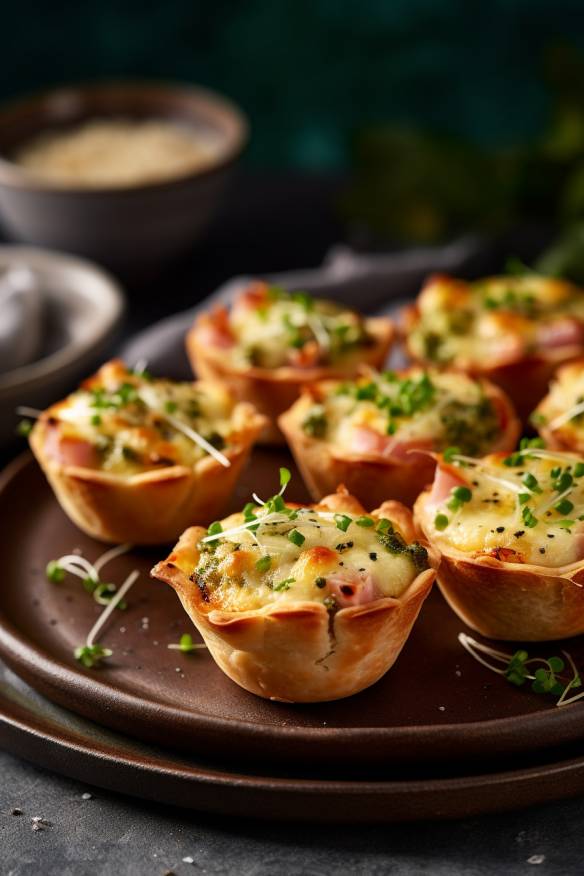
<point x="415" y="185"/>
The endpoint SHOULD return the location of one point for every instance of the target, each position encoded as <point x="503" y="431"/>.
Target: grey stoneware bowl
<point x="82" y="308"/>
<point x="130" y="229"/>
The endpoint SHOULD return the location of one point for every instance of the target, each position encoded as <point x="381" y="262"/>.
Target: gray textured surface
<point x="110" y="834"/>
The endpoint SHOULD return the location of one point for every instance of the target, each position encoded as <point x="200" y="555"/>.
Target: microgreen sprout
<point x="186" y="644"/>
<point x="89" y="573"/>
<point x="92" y="653"/>
<point x="546" y="674"/>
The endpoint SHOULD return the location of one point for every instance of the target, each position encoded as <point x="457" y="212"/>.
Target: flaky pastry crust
<point x="524" y="377"/>
<point x="297" y="651"/>
<point x="272" y="391"/>
<point x="151" y="507"/>
<point x="509" y="601"/>
<point x="557" y="438"/>
<point x="369" y="476"/>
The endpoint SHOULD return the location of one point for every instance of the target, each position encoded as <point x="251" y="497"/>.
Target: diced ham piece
<point x="306" y="356"/>
<point x="368" y="441"/>
<point x="252" y="298"/>
<point x="215" y="331"/>
<point x="566" y="332"/>
<point x="447" y="477"/>
<point x="352" y="588"/>
<point x="69" y="450"/>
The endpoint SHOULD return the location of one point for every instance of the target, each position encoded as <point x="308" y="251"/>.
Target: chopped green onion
<point x="296" y="538"/>
<point x="441" y="522"/>
<point x="365" y="521"/>
<point x="215" y="528"/>
<point x="264" y="563"/>
<point x="343" y="522"/>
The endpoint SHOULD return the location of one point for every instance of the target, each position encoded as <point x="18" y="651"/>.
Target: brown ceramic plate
<point x="437" y="705"/>
<point x="32" y="728"/>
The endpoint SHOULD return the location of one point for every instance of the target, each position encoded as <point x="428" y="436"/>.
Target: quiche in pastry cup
<point x="303" y="604"/>
<point x="559" y="418"/>
<point x="368" y="433"/>
<point x="271" y="342"/>
<point x="513" y="330"/>
<point x="135" y="459"/>
<point x="510" y="530"/>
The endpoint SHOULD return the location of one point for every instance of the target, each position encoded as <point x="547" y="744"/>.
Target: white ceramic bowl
<point x="84" y="306"/>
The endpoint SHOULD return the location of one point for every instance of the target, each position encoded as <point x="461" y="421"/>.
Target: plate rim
<point x="68" y="752"/>
<point x="62" y="682"/>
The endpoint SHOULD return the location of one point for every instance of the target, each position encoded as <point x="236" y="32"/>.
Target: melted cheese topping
<point x="499" y="318"/>
<point x="562" y="410"/>
<point x="128" y="419"/>
<point x="273" y="328"/>
<point x="429" y="408"/>
<point x="242" y="570"/>
<point x="530" y="512"/>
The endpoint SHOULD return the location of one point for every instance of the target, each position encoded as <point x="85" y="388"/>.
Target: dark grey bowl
<point x="131" y="229"/>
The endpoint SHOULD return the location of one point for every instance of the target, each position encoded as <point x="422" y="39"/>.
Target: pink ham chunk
<point x="447" y="477"/>
<point x="214" y="330"/>
<point x="69" y="450"/>
<point x="352" y="588"/>
<point x="566" y="332"/>
<point x="368" y="441"/>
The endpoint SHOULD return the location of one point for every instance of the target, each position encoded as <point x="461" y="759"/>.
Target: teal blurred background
<point x="448" y="116"/>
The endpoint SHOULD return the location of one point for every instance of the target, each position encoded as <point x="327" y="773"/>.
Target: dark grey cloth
<point x="371" y="283"/>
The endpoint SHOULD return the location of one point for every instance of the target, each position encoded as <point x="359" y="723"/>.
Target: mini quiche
<point x="303" y="604"/>
<point x="559" y="418"/>
<point x="511" y="533"/>
<point x="271" y="342"/>
<point x="513" y="330"/>
<point x="365" y="433"/>
<point x="135" y="459"/>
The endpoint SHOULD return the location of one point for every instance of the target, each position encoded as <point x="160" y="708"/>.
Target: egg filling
<point x="527" y="507"/>
<point x="495" y="319"/>
<point x="125" y="422"/>
<point x="269" y="327"/>
<point x="274" y="553"/>
<point x="387" y="414"/>
<point x="562" y="411"/>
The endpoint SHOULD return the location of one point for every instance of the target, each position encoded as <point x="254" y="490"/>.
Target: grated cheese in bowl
<point x="115" y="152"/>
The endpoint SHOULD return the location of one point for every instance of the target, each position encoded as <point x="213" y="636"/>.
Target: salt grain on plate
<point x="87" y="796"/>
<point x="536" y="859"/>
<point x="188" y="860"/>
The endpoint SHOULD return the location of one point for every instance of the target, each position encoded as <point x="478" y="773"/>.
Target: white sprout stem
<point x="110" y="555"/>
<point x="177" y="424"/>
<point x="73" y="563"/>
<point x="470" y="644"/>
<point x="198" y="439"/>
<point x="509" y="485"/>
<point x="553" y="501"/>
<point x="112" y="605"/>
<point x="319" y="331"/>
<point x="25" y="411"/>
<point x="568" y="415"/>
<point x="564" y="699"/>
<point x="569" y="700"/>
<point x="140" y="365"/>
